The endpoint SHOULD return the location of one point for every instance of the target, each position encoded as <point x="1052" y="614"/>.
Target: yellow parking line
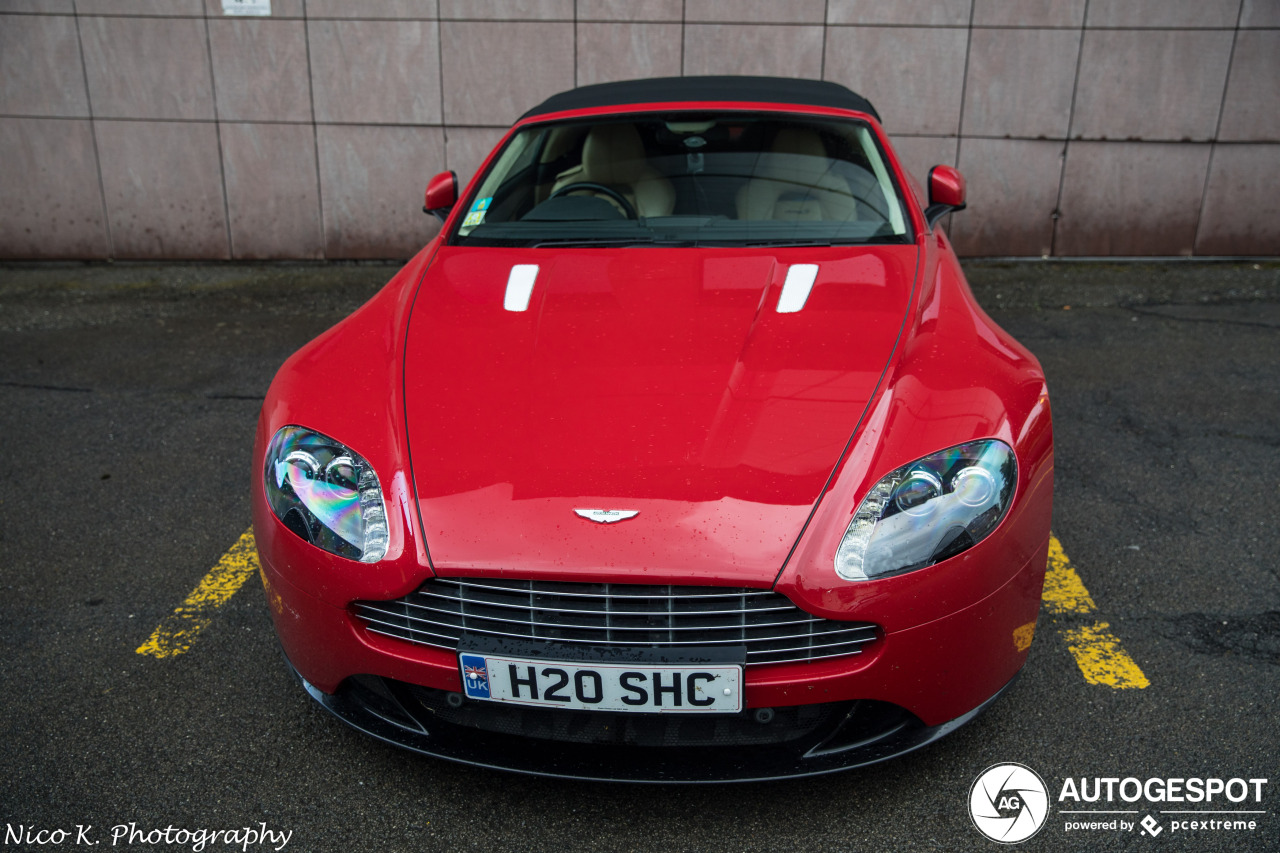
<point x="175" y="634"/>
<point x="1097" y="651"/>
<point x="1101" y="658"/>
<point x="1064" y="592"/>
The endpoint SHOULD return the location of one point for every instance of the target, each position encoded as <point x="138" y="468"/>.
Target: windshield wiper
<point x="760" y="244"/>
<point x="621" y="242"/>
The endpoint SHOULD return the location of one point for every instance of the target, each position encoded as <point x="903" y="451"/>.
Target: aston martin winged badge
<point x="607" y="516"/>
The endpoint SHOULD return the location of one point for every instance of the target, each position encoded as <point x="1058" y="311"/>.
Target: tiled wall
<point x="163" y="129"/>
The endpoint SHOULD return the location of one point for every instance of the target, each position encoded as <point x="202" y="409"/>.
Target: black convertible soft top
<point x="783" y="90"/>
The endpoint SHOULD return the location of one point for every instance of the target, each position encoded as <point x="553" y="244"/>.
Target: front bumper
<point x="837" y="736"/>
<point x="909" y="688"/>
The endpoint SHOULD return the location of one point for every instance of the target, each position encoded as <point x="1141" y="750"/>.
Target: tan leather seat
<point x="613" y="155"/>
<point x="795" y="182"/>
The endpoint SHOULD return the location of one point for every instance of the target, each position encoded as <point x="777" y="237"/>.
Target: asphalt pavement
<point x="128" y="399"/>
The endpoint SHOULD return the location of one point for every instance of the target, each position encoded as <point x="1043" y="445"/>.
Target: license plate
<point x="640" y="687"/>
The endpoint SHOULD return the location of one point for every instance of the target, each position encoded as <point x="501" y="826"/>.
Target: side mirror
<point x="946" y="193"/>
<point x="442" y="195"/>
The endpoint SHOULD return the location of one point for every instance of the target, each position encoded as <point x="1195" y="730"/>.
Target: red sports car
<point x="683" y="453"/>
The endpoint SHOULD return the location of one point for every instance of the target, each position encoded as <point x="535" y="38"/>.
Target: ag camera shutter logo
<point x="1008" y="803"/>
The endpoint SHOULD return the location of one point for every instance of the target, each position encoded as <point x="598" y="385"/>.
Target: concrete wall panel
<point x="163" y="187"/>
<point x="913" y="75"/>
<point x="506" y="10"/>
<point x="630" y="10"/>
<point x="375" y="72"/>
<point x="754" y="11"/>
<point x="1028" y="13"/>
<point x="372" y="180"/>
<point x="1012" y="195"/>
<point x="50" y="200"/>
<point x="493" y="72"/>
<point x="1251" y="109"/>
<point x="1163" y="13"/>
<point x="937" y="13"/>
<point x="772" y="51"/>
<point x="1126" y="198"/>
<point x="625" y="51"/>
<point x="149" y="8"/>
<point x="147" y="68"/>
<point x="40" y="69"/>
<point x="1260" y="13"/>
<point x="260" y="69"/>
<point x="49" y="7"/>
<point x="273" y="191"/>
<point x="367" y="9"/>
<point x="1020" y="82"/>
<point x="1157" y="85"/>
<point x="1241" y="206"/>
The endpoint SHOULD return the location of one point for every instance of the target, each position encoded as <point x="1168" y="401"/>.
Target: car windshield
<point x="704" y="179"/>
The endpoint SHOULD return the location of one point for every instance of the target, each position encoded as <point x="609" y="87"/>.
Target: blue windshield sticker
<point x="476" y="215"/>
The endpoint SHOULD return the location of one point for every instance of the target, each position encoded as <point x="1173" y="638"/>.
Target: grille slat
<point x="771" y="627"/>
<point x="498" y="585"/>
<point x="868" y="637"/>
<point x="612" y="620"/>
<point x="607" y="612"/>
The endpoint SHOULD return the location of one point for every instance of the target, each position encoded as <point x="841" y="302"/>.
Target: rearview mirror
<point x="442" y="195"/>
<point x="946" y="193"/>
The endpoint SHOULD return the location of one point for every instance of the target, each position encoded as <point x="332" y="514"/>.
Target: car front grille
<point x="772" y="629"/>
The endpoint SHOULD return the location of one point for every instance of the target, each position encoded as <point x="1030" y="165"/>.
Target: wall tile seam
<point x="670" y="21"/>
<point x="217" y="131"/>
<point x="879" y="25"/>
<point x="108" y="232"/>
<point x="444" y="129"/>
<point x="102" y="118"/>
<point x="648" y="21"/>
<point x="684" y="34"/>
<point x="906" y="25"/>
<point x="499" y="20"/>
<point x="156" y="17"/>
<point x="1056" y="215"/>
<point x="315" y="136"/>
<point x="748" y="23"/>
<point x="1217" y="131"/>
<point x="30" y="14"/>
<point x="964" y="85"/>
<point x="1066" y="27"/>
<point x="822" y="62"/>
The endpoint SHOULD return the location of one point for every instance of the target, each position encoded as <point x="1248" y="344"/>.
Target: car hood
<point x="658" y="381"/>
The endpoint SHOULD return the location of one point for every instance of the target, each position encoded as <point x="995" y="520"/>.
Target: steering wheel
<point x="628" y="209"/>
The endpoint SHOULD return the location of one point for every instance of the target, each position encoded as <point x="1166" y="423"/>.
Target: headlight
<point x="327" y="494"/>
<point x="927" y="511"/>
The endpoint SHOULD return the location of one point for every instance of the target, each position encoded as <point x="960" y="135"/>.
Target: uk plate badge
<point x="475" y="676"/>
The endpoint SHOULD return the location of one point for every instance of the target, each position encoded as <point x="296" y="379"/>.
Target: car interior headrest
<point x="613" y="154"/>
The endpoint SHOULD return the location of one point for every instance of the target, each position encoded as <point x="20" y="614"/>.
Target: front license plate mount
<point x="625" y="679"/>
